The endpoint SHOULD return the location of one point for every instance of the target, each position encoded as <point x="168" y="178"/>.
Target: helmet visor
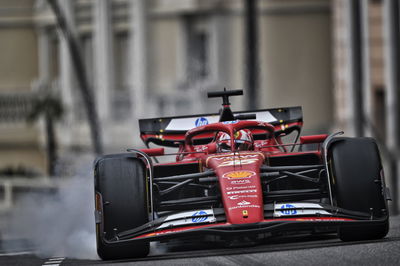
<point x="241" y="145"/>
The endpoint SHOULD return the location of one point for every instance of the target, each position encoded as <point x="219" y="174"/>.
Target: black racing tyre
<point x="357" y="184"/>
<point x="120" y="179"/>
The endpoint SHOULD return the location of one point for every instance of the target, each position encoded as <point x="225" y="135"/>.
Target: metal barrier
<point x="11" y="187"/>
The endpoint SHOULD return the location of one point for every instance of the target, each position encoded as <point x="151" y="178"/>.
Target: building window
<point x="198" y="43"/>
<point x="121" y="97"/>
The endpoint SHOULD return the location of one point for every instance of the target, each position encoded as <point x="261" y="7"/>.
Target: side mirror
<point x="313" y="139"/>
<point x="153" y="152"/>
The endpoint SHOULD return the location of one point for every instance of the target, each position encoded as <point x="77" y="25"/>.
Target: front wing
<point x="282" y="217"/>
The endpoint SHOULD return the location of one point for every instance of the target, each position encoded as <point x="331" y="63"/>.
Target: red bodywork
<point x="237" y="173"/>
<point x="282" y="183"/>
<point x="239" y="181"/>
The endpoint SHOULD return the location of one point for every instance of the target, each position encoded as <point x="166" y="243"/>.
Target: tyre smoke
<point x="59" y="223"/>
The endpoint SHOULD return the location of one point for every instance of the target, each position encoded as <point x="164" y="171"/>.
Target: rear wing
<point x="170" y="131"/>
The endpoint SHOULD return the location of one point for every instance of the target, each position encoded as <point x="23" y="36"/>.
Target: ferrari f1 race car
<point x="237" y="177"/>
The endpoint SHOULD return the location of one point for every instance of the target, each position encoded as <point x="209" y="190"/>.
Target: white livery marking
<point x="56" y="259"/>
<point x="190" y="122"/>
<point x="300" y="208"/>
<point x="243" y="202"/>
<point x="191" y="217"/>
<point x="241" y="191"/>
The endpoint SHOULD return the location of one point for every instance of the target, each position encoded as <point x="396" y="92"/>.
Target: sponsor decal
<point x="260" y="144"/>
<point x="187" y="218"/>
<point x="243" y="202"/>
<point x="188" y="122"/>
<point x="240" y="187"/>
<point x="201" y="121"/>
<point x="230" y="122"/>
<point x="287" y="209"/>
<point x="232" y="158"/>
<point x="241" y="191"/>
<point x="200" y="148"/>
<point x="244" y="206"/>
<point x="237" y="157"/>
<point x="235" y="197"/>
<point x="197" y="219"/>
<point x="238" y="174"/>
<point x="238" y="162"/>
<point x="240" y="182"/>
<point x="292" y="209"/>
<point x="299" y="205"/>
<point x="244" y="187"/>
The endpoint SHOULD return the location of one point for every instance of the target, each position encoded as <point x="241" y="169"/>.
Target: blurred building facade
<point x="366" y="40"/>
<point x="159" y="57"/>
<point x="19" y="142"/>
<point x="371" y="64"/>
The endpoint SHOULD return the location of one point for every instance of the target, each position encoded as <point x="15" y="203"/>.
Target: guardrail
<point x="12" y="188"/>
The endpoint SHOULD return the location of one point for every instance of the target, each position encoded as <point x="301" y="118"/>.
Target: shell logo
<point x="239" y="174"/>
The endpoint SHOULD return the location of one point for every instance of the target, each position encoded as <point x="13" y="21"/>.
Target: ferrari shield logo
<point x="239" y="174"/>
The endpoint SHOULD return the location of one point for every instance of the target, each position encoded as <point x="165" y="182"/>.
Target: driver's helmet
<point x="243" y="141"/>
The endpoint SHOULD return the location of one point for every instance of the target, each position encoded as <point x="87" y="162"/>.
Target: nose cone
<point x="239" y="179"/>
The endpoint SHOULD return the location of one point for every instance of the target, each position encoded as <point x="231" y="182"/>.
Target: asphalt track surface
<point x="316" y="250"/>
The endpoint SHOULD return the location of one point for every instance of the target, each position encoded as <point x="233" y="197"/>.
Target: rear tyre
<point x="357" y="183"/>
<point x="120" y="179"/>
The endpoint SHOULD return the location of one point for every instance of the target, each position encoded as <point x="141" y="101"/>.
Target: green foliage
<point x="46" y="105"/>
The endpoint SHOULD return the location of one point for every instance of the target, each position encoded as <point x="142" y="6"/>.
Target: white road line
<point x="54" y="261"/>
<point x="16" y="253"/>
<point x="60" y="258"/>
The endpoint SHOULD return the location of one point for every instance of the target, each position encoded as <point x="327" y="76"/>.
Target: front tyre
<point x="120" y="186"/>
<point x="358" y="185"/>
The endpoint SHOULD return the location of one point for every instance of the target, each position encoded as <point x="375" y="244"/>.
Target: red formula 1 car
<point x="235" y="178"/>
